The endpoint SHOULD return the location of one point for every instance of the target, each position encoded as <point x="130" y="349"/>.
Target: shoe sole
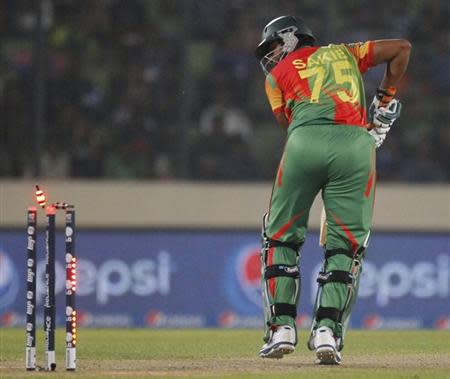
<point x="327" y="355"/>
<point x="278" y="351"/>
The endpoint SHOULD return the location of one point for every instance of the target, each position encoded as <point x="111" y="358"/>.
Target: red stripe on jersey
<point x="369" y="184"/>
<point x="280" y="175"/>
<point x="347" y="232"/>
<point x="286" y="226"/>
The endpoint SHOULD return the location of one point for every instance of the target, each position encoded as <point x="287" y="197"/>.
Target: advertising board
<point x="190" y="279"/>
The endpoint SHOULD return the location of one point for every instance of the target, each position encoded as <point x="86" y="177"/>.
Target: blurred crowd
<point x="170" y="89"/>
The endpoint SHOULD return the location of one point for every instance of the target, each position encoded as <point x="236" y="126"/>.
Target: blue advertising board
<point x="187" y="279"/>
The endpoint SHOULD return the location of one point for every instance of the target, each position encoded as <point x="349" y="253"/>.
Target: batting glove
<point x="382" y="99"/>
<point x="379" y="135"/>
<point x="382" y="118"/>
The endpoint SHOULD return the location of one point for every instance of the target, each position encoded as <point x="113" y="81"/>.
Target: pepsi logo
<point x="226" y="319"/>
<point x="249" y="266"/>
<point x="69" y="311"/>
<point x="442" y="323"/>
<point x="248" y="273"/>
<point x="372" y="321"/>
<point x="8" y="319"/>
<point x="303" y="321"/>
<point x="154" y="318"/>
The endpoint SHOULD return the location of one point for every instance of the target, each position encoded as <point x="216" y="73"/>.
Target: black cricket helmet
<point x="287" y="31"/>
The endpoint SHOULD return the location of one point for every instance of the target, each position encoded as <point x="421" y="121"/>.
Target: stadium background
<point x="151" y="117"/>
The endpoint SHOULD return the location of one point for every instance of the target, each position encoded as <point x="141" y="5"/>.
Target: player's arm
<point x="384" y="109"/>
<point x="395" y="53"/>
<point x="276" y="101"/>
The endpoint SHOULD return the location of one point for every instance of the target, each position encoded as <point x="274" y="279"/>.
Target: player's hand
<point x="382" y="118"/>
<point x="385" y="96"/>
<point x="382" y="99"/>
<point x="379" y="137"/>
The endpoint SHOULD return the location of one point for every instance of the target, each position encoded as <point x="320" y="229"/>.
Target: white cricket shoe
<point x="325" y="347"/>
<point x="282" y="341"/>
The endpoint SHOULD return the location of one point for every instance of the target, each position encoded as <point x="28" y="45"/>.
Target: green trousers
<point x="337" y="161"/>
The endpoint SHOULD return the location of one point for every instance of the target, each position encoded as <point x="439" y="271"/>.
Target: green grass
<point x="142" y="353"/>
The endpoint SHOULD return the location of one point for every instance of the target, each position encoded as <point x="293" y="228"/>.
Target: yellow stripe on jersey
<point x="363" y="53"/>
<point x="274" y="95"/>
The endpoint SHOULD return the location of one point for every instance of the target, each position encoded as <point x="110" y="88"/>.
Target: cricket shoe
<point x="325" y="347"/>
<point x="282" y="341"/>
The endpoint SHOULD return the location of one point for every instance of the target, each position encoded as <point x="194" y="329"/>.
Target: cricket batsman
<point x="317" y="95"/>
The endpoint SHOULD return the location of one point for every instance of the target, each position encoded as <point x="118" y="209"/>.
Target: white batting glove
<point x="382" y="118"/>
<point x="379" y="137"/>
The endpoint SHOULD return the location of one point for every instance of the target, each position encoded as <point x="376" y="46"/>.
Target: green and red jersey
<point x="321" y="85"/>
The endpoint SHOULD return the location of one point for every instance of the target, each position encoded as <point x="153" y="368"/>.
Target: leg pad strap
<point x="336" y="276"/>
<point x="274" y="243"/>
<point x="282" y="270"/>
<point x="284" y="309"/>
<point x="328" y="312"/>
